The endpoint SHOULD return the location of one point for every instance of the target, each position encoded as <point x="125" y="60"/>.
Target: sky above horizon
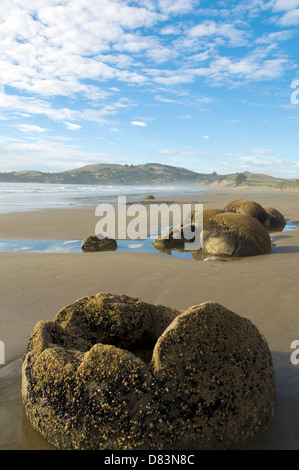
<point x="208" y="86"/>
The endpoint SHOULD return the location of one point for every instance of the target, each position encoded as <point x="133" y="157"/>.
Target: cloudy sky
<point x="209" y="86"/>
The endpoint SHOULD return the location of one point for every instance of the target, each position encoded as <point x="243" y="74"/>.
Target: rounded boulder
<point x="251" y="208"/>
<point x="276" y="219"/>
<point x="94" y="243"/>
<point x="219" y="373"/>
<point x="232" y="234"/>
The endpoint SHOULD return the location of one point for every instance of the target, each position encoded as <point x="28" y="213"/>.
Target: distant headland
<point x="149" y="173"/>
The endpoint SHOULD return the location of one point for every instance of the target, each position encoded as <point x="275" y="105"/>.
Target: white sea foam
<point x="19" y="197"/>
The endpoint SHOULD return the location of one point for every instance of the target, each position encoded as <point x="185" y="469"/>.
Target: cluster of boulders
<point x="113" y="372"/>
<point x="240" y="229"/>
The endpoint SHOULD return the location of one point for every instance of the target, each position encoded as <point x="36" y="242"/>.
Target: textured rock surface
<point x="207" y="215"/>
<point x="276" y="219"/>
<point x="219" y="371"/>
<point x="93" y="243"/>
<point x="251" y="208"/>
<point x="240" y="229"/>
<point x="115" y="319"/>
<point x="173" y="238"/>
<point x="232" y="234"/>
<point x="209" y="384"/>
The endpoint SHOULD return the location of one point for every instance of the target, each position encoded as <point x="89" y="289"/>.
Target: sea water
<point x="19" y="197"/>
<point x="16" y="197"/>
<point x="22" y="197"/>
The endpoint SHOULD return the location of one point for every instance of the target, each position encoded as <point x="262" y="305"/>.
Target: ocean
<point x="19" y="197"/>
<point x="22" y="197"/>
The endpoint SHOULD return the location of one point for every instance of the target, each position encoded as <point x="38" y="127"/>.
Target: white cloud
<point x="282" y="5"/>
<point x="261" y="151"/>
<point x="277" y="36"/>
<point x="222" y="69"/>
<point x="33" y="106"/>
<point x="30" y="128"/>
<point x="176" y="6"/>
<point x="291" y="18"/>
<point x="71" y="126"/>
<point x="46" y="155"/>
<point x="180" y="153"/>
<point x="71" y="49"/>
<point x="75" y="62"/>
<point x="206" y="100"/>
<point x="216" y="31"/>
<point x="289" y="10"/>
<point x="262" y="162"/>
<point x="248" y="68"/>
<point x="49" y="48"/>
<point x="138" y="123"/>
<point x="205" y="136"/>
<point x="163" y="99"/>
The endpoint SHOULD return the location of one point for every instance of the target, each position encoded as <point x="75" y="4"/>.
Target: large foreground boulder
<point x="208" y="382"/>
<point x="218" y="370"/>
<point x="232" y="234"/>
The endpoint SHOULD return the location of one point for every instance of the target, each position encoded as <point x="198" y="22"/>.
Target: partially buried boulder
<point x="231" y="234"/>
<point x="251" y="208"/>
<point x="209" y="382"/>
<point x="176" y="237"/>
<point x="276" y="219"/>
<point x="94" y="243"/>
<point x="171" y="239"/>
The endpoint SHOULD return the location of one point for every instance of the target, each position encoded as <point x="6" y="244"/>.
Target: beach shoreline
<point x="35" y="286"/>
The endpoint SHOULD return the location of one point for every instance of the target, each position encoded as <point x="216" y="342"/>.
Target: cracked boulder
<point x="206" y="380"/>
<point x="234" y="234"/>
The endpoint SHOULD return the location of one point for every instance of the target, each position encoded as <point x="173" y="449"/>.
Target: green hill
<point x="147" y="174"/>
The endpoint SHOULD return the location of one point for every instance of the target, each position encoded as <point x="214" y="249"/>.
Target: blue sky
<point x="192" y="83"/>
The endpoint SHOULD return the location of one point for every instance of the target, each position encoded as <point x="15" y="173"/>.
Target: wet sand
<point x="35" y="286"/>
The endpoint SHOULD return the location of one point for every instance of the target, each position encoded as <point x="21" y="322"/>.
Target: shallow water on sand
<point x="74" y="246"/>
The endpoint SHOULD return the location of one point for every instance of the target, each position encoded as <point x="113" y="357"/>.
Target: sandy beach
<point x="35" y="286"/>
